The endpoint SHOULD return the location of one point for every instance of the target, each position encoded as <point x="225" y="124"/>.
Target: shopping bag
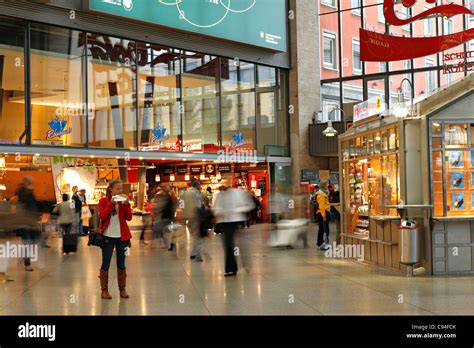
<point x="86" y="213"/>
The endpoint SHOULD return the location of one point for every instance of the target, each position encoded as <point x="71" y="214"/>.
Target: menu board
<point x="195" y="169"/>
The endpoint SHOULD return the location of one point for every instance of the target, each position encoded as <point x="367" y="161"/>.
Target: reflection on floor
<point x="272" y="282"/>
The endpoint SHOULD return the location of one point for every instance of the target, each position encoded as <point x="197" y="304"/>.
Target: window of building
<point x="448" y="26"/>
<point x="357" y="63"/>
<point x="57" y="105"/>
<point x="430" y="76"/>
<point x="238" y="105"/>
<point x="380" y="14"/>
<point x="329" y="50"/>
<point x="405" y="13"/>
<point x="159" y="117"/>
<point x="330" y="3"/>
<point x="382" y="67"/>
<point x="429" y="25"/>
<point x="112" y="91"/>
<point x="12" y="82"/>
<point x="200" y="101"/>
<point x="355" y="7"/>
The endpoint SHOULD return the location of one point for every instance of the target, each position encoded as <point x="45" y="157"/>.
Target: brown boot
<point x="104" y="284"/>
<point x="122" y="282"/>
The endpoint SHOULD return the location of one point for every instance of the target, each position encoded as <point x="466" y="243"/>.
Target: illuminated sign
<point x="378" y="47"/>
<point x="368" y="108"/>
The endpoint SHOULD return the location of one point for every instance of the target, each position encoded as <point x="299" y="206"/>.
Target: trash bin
<point x="410" y="241"/>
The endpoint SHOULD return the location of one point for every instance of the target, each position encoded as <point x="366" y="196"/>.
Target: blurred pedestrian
<point x="78" y="207"/>
<point x="66" y="214"/>
<point x="28" y="213"/>
<point x="230" y="209"/>
<point x="192" y="204"/>
<point x="114" y="212"/>
<point x="334" y="198"/>
<point x="163" y="214"/>
<point x="147" y="216"/>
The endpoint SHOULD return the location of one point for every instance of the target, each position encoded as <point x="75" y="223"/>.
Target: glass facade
<point x="98" y="91"/>
<point x="345" y="79"/>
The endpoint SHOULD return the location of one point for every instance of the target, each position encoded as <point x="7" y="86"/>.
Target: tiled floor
<point x="272" y="282"/>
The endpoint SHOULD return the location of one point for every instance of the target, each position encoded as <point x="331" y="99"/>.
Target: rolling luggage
<point x="69" y="243"/>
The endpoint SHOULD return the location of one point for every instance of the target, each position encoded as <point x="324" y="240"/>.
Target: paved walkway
<point x="277" y="282"/>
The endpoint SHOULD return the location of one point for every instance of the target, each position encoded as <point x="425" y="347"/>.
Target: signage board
<point x="210" y="169"/>
<point x="168" y="170"/>
<point x="260" y="23"/>
<point x="324" y="175"/>
<point x="182" y="170"/>
<point x="195" y="169"/>
<point x="368" y="108"/>
<point x="378" y="47"/>
<point x="224" y="168"/>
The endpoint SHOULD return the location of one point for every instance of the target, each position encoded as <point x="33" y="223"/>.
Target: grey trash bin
<point x="410" y="240"/>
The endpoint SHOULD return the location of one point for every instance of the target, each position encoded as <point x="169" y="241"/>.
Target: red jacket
<point x="105" y="213"/>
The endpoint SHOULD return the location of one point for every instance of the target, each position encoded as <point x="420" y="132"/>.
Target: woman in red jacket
<point x="114" y="212"/>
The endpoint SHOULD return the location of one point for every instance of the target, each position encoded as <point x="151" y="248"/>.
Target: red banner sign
<point x="377" y="47"/>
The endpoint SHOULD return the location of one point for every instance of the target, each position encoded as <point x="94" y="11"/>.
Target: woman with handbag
<point x="114" y="212"/>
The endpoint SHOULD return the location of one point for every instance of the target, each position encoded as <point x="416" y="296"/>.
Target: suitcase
<point x="69" y="243"/>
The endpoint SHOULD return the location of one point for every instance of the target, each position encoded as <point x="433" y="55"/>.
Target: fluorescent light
<point x="157" y="178"/>
<point x="172" y="178"/>
<point x="186" y="177"/>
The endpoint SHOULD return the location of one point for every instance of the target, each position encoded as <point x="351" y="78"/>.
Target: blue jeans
<point x="79" y="229"/>
<point x="108" y="250"/>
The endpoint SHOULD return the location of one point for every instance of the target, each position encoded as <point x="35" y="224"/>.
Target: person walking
<point x="192" y="204"/>
<point x="66" y="214"/>
<point x="323" y="215"/>
<point x="230" y="211"/>
<point x="334" y="198"/>
<point x="28" y="213"/>
<point x="114" y="212"/>
<point x="163" y="214"/>
<point x="147" y="217"/>
<point x="78" y="207"/>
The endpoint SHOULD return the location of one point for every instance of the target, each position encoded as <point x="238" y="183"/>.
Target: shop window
<point x="370" y="144"/>
<point x="458" y="183"/>
<point x="436" y="128"/>
<point x="472" y="134"/>
<point x="390" y="183"/>
<point x="159" y="116"/>
<point x="437" y="173"/>
<point x="393" y="139"/>
<point x="12" y="82"/>
<point x="57" y="104"/>
<point x="455" y="135"/>
<point x="200" y="99"/>
<point x="377" y="143"/>
<point x="385" y="139"/>
<point x="238" y="105"/>
<point x="112" y="92"/>
<point x="357" y="63"/>
<point x="363" y="145"/>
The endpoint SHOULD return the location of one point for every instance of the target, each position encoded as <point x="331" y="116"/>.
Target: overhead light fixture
<point x="140" y="158"/>
<point x="37" y="154"/>
<point x="202" y="177"/>
<point x="65" y="155"/>
<point x="163" y="159"/>
<point x="330" y="131"/>
<point x="436" y="124"/>
<point x="186" y="177"/>
<point x="172" y="178"/>
<point x="157" y="178"/>
<point x="92" y="156"/>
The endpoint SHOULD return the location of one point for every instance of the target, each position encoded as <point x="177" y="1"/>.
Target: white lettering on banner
<point x="37" y="331"/>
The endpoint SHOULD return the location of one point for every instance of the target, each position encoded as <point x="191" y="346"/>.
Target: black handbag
<point x="96" y="239"/>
